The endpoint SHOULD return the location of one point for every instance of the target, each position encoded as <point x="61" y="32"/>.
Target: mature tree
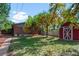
<point x="28" y="24"/>
<point x="70" y="15"/>
<point x="4" y="13"/>
<point x="55" y="11"/>
<point x="60" y="13"/>
<point x="6" y="25"/>
<point x="75" y="9"/>
<point x="40" y="21"/>
<point x="32" y="24"/>
<point x="47" y="22"/>
<point x="43" y="20"/>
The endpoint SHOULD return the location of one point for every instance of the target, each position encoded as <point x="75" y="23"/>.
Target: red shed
<point x="69" y="31"/>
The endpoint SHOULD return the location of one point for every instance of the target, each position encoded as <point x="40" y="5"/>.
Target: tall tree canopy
<point x="57" y="14"/>
<point x="70" y="14"/>
<point x="60" y="11"/>
<point x="4" y="13"/>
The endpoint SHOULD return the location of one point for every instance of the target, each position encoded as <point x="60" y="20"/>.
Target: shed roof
<point x="75" y="25"/>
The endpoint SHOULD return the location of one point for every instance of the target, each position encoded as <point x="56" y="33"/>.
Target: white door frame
<point x="68" y="33"/>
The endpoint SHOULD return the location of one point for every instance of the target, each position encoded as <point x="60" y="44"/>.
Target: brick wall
<point x="18" y="29"/>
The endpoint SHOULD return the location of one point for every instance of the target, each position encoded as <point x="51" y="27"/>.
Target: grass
<point x="43" y="46"/>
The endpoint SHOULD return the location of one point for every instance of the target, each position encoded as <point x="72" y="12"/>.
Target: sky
<point x="19" y="11"/>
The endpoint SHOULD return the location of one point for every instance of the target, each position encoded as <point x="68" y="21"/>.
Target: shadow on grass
<point x="64" y="42"/>
<point x="22" y="42"/>
<point x="32" y="44"/>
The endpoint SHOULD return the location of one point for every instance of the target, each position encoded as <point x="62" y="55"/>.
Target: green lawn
<point x="43" y="46"/>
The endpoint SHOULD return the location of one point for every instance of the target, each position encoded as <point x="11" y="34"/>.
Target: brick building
<point x="18" y="29"/>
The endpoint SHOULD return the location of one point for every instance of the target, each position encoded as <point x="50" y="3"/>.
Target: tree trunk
<point x="47" y="31"/>
<point x="54" y="27"/>
<point x="42" y="29"/>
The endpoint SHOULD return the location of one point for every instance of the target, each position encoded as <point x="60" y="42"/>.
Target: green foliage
<point x="58" y="14"/>
<point x="55" y="12"/>
<point x="6" y="25"/>
<point x="4" y="13"/>
<point x="29" y="21"/>
<point x="66" y="14"/>
<point x="70" y="15"/>
<point x="4" y="10"/>
<point x="55" y="7"/>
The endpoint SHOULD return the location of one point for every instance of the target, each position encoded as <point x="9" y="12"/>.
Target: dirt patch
<point x="2" y="40"/>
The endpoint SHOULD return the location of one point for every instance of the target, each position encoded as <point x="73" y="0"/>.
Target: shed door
<point x="67" y="33"/>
